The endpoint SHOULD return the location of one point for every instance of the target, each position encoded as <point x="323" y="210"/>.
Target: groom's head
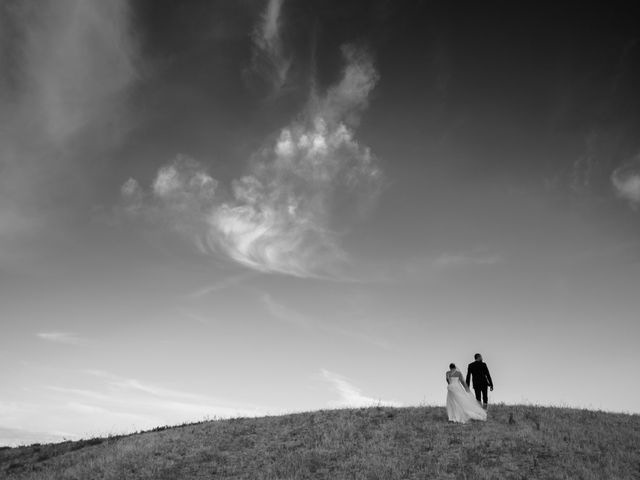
<point x="478" y="357"/>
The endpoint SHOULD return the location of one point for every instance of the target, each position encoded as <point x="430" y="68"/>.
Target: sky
<point x="223" y="208"/>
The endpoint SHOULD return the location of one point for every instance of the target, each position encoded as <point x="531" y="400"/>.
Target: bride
<point x="461" y="404"/>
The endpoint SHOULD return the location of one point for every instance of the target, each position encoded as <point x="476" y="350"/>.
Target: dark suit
<point x="479" y="372"/>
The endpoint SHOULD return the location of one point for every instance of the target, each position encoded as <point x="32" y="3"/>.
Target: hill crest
<point x="367" y="443"/>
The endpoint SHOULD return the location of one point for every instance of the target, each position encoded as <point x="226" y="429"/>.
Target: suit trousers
<point x="481" y="391"/>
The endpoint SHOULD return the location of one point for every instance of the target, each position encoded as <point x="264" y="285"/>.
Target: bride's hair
<point x="452" y="365"/>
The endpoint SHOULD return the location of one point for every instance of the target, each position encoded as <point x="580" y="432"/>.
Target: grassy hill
<point x="517" y="442"/>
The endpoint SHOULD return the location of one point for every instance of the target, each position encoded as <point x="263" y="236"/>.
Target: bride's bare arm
<point x="464" y="384"/>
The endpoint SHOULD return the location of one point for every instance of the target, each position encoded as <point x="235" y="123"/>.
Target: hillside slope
<point x="517" y="442"/>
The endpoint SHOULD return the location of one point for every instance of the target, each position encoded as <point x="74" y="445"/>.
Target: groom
<point x="481" y="378"/>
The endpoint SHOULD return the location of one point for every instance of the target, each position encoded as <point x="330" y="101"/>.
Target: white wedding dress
<point x="462" y="406"/>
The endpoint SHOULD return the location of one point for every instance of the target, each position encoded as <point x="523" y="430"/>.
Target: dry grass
<point x="518" y="442"/>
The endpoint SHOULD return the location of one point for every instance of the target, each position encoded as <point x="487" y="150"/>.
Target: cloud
<point x="80" y="393"/>
<point x="284" y="313"/>
<point x="300" y="189"/>
<point x="133" y="195"/>
<point x="584" y="167"/>
<point x="280" y="217"/>
<point x="182" y="195"/>
<point x="350" y="395"/>
<point x="67" y="65"/>
<point x="65" y="69"/>
<point x="118" y="386"/>
<point x="345" y="101"/>
<point x="293" y="317"/>
<point x="107" y="400"/>
<point x="194" y="316"/>
<point x="79" y="58"/>
<point x="61" y="337"/>
<point x="269" y="60"/>
<point x="184" y="186"/>
<point x="626" y="182"/>
<point x="223" y="284"/>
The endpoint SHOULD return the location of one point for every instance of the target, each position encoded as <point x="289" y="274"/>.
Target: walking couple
<point x="461" y="405"/>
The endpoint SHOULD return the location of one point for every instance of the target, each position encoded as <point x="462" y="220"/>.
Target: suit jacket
<point x="480" y="374"/>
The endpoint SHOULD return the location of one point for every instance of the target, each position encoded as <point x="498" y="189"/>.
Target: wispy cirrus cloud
<point x="283" y="215"/>
<point x="284" y="313"/>
<point x="66" y="67"/>
<point x="626" y="182"/>
<point x="350" y="395"/>
<point x="223" y="284"/>
<point x="100" y="402"/>
<point x="78" y="58"/>
<point x="66" y="338"/>
<point x="295" y="318"/>
<point x="269" y="60"/>
<point x="584" y="166"/>
<point x="194" y="316"/>
<point x="134" y="392"/>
